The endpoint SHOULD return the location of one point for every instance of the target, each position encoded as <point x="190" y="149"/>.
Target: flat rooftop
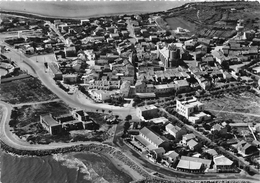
<point x="49" y="120"/>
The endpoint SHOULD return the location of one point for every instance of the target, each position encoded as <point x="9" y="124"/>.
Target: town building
<point x="171" y="156"/>
<point x="80" y="115"/>
<point x="70" y="51"/>
<point x="151" y="137"/>
<point x="51" y="125"/>
<point x="169" y="55"/>
<point x="100" y="95"/>
<point x="146" y="112"/>
<point x="173" y="130"/>
<point x="77" y="120"/>
<point x="158" y="120"/>
<point x="192" y="109"/>
<point x="55" y="71"/>
<point x="223" y="164"/>
<point x="188" y="137"/>
<point x="205" y="162"/>
<point x="158" y="152"/>
<point x="192" y="144"/>
<point x="69" y="78"/>
<point x="189" y="166"/>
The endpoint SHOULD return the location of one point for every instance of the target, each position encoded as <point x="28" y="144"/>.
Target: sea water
<point x="61" y="168"/>
<point x="83" y="9"/>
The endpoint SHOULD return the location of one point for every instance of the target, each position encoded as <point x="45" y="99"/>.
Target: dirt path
<point x="33" y="103"/>
<point x="230" y="112"/>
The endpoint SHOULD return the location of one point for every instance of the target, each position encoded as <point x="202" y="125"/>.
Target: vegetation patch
<point x="247" y="102"/>
<point x="26" y="119"/>
<point x="175" y="22"/>
<point x="25" y="91"/>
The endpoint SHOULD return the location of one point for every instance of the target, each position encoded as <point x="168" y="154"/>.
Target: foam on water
<point x="74" y="163"/>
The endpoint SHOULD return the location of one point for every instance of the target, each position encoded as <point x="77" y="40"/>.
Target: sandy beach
<point x="123" y="167"/>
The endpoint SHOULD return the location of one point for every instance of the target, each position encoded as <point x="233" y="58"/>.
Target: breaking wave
<point x="85" y="168"/>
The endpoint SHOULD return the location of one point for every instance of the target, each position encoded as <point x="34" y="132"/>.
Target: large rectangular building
<point x="186" y="107"/>
<point x="151" y="137"/>
<point x="169" y="56"/>
<point x="192" y="109"/>
<point x="50" y="124"/>
<point x="55" y="71"/>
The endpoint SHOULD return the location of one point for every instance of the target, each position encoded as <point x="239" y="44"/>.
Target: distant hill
<point x="215" y="19"/>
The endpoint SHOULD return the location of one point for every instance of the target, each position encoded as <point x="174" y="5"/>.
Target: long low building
<point x="189" y="166"/>
<point x="192" y="164"/>
<point x="151" y="137"/>
<point x="50" y="124"/>
<point x="78" y="120"/>
<point x="55" y="71"/>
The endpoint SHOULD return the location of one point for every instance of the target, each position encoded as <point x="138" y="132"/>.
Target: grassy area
<point x="25" y="121"/>
<point x="245" y="102"/>
<point x="175" y="22"/>
<point x="25" y="91"/>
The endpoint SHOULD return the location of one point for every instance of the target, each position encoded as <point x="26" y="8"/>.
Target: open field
<point x="25" y="121"/>
<point x="25" y="91"/>
<point x="175" y="22"/>
<point x="215" y="20"/>
<point x="244" y="107"/>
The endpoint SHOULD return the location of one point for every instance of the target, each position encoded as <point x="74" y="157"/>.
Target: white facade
<point x="101" y="95"/>
<point x="187" y="107"/>
<point x="171" y="129"/>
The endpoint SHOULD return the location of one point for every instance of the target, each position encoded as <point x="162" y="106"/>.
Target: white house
<point x="171" y="129"/>
<point x="192" y="109"/>
<point x="101" y="95"/>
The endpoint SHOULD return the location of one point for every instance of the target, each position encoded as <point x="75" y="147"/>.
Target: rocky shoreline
<point x="108" y="150"/>
<point x="94" y="148"/>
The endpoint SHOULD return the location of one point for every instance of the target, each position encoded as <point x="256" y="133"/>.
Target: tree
<point x="128" y="118"/>
<point x="126" y="126"/>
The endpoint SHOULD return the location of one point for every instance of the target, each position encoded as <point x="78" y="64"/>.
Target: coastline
<point x="81" y="9"/>
<point x="122" y="162"/>
<point x="124" y="168"/>
<point x="41" y="16"/>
